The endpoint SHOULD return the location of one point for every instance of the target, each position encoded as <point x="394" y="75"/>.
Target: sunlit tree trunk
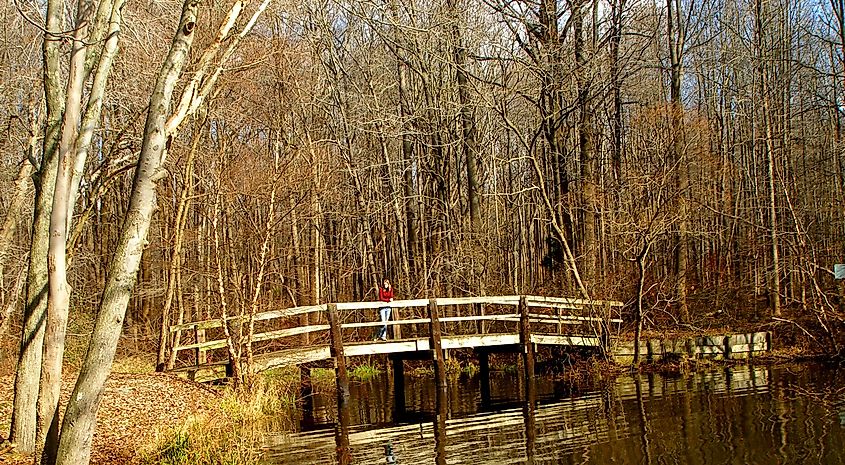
<point x="28" y="373"/>
<point x="58" y="304"/>
<point x="80" y="416"/>
<point x="615" y="41"/>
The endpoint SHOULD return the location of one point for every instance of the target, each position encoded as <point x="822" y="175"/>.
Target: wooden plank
<point x="504" y="317"/>
<point x="495" y="300"/>
<point x="568" y="319"/>
<point x="269" y="315"/>
<point x="344" y="456"/>
<point x="479" y="340"/>
<point x="207" y="345"/>
<point x="389" y="347"/>
<point x="554" y="339"/>
<point x="480" y="325"/>
<point x="423" y="344"/>
<point x="265" y="336"/>
<point x="442" y="301"/>
<point x="368" y="324"/>
<point x="202" y="373"/>
<point x="527" y="346"/>
<point x="525" y="341"/>
<point x="287" y="357"/>
<point x="442" y="394"/>
<point x="379" y="304"/>
<point x="539" y="301"/>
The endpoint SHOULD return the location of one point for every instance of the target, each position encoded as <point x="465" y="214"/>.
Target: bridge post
<point x="342" y="379"/>
<point x="442" y="393"/>
<point x="528" y="367"/>
<point x="200" y="355"/>
<point x="480" y="325"/>
<point x="525" y="339"/>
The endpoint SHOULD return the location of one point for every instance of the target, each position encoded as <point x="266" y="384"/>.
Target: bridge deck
<point x="416" y="346"/>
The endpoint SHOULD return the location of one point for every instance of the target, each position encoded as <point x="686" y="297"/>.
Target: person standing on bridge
<point x="385" y="294"/>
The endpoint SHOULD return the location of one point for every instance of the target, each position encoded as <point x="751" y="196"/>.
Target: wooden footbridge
<point x="421" y="329"/>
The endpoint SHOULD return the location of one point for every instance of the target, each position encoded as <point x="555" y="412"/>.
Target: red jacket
<point x="385" y="295"/>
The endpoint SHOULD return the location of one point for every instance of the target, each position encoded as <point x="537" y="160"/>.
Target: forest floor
<point x="135" y="408"/>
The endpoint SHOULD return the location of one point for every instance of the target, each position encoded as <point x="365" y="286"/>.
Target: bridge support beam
<point x="528" y="371"/>
<point x="342" y="377"/>
<point x="441" y="391"/>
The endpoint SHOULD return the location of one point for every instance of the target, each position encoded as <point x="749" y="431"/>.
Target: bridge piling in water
<point x="399" y="405"/>
<point x="527" y="350"/>
<point x="342" y="379"/>
<point x="442" y="392"/>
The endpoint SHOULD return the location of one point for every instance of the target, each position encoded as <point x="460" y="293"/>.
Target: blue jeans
<point x="385" y="315"/>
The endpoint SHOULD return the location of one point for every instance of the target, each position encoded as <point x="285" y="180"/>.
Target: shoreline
<point x="139" y="410"/>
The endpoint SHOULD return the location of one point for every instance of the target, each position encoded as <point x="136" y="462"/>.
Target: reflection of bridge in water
<point x="550" y="431"/>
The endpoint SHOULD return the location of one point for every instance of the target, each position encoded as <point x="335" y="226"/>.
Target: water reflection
<point x="736" y="415"/>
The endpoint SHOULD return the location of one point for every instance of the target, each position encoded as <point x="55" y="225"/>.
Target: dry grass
<point x="232" y="432"/>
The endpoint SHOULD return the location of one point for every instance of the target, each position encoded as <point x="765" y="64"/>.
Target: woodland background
<point x="687" y="151"/>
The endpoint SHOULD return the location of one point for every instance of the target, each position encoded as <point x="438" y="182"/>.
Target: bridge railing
<point x="487" y="315"/>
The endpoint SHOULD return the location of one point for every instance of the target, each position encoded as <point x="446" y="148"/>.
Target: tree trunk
<point x="676" y="34"/>
<point x="410" y="170"/>
<point x="28" y="373"/>
<point x="617" y="8"/>
<point x="586" y="145"/>
<point x="469" y="140"/>
<point x="176" y="255"/>
<point x="233" y="345"/>
<point x="774" y="276"/>
<point x="22" y="183"/>
<point x="80" y="416"/>
<point x="638" y="310"/>
<point x="58" y="304"/>
<point x="269" y="231"/>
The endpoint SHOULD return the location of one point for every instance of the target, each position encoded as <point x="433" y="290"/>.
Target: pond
<point x="741" y="414"/>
